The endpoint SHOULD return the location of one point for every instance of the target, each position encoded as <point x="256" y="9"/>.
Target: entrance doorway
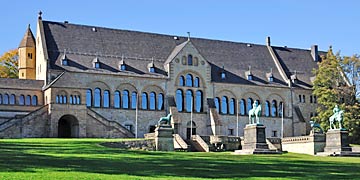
<point x="68" y="127"/>
<point x="188" y="130"/>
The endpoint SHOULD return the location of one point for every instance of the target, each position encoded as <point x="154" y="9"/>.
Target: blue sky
<point x="290" y="23"/>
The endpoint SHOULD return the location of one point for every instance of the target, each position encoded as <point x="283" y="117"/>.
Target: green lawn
<point x="85" y="159"/>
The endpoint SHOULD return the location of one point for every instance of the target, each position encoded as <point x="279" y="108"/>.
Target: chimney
<point x="268" y="41"/>
<point x="315" y="53"/>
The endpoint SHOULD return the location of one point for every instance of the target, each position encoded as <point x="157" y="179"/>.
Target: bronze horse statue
<point x="165" y="120"/>
<point x="255" y="113"/>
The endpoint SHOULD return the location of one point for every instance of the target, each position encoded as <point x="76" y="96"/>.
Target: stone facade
<point x="69" y="82"/>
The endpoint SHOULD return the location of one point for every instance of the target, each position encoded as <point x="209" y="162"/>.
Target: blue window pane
<point x="78" y="100"/>
<point x="28" y="100"/>
<point x="123" y="67"/>
<point x="1" y="99"/>
<point x="6" y="99"/>
<point x="217" y="104"/>
<point x="88" y="97"/>
<point x="61" y="99"/>
<point x="198" y="101"/>
<point x="65" y="99"/>
<point x="160" y="105"/>
<point x="106" y="99"/>
<point x="224" y="105"/>
<point x="71" y="99"/>
<point x="97" y="65"/>
<point x="242" y="107"/>
<point x="125" y="99"/>
<point x="249" y="77"/>
<point x="152" y="101"/>
<point x="197" y="82"/>
<point x="232" y="106"/>
<point x="133" y="100"/>
<point x="223" y="75"/>
<point x="179" y="100"/>
<point x="117" y="99"/>
<point x="189" y="101"/>
<point x="280" y="109"/>
<point x="189" y="80"/>
<point x="12" y="99"/>
<point x="181" y="81"/>
<point x="144" y="101"/>
<point x="97" y="97"/>
<point x="34" y="101"/>
<point x="190" y="60"/>
<point x="64" y="62"/>
<point x="21" y="100"/>
<point x="152" y="69"/>
<point x="267" y="109"/>
<point x="273" y="108"/>
<point x="249" y="105"/>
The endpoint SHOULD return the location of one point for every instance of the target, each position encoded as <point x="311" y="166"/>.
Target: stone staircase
<point x="114" y="124"/>
<point x="21" y="127"/>
<point x="198" y="144"/>
<point x="179" y="143"/>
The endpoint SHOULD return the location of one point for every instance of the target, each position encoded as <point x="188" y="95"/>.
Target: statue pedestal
<point x="337" y="144"/>
<point x="164" y="140"/>
<point x="255" y="141"/>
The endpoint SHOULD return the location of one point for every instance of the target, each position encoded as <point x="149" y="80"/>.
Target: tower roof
<point x="28" y="39"/>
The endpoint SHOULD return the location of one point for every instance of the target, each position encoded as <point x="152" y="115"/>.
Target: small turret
<point x="27" y="59"/>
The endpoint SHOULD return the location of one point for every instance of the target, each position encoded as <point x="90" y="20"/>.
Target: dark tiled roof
<point x="138" y="49"/>
<point x="21" y="83"/>
<point x="28" y="39"/>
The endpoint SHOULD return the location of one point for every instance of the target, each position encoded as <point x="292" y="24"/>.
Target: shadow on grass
<point x="89" y="157"/>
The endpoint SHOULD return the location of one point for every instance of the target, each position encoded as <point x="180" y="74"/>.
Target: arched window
<point x="152" y="99"/>
<point x="88" y="98"/>
<point x="189" y="80"/>
<point x="28" y="100"/>
<point x="125" y="99"/>
<point x="224" y="105"/>
<point x="74" y="97"/>
<point x="133" y="100"/>
<point x="97" y="97"/>
<point x="106" y="99"/>
<point x="34" y="101"/>
<point x="273" y="108"/>
<point x="197" y="82"/>
<point x="190" y="59"/>
<point x="179" y="100"/>
<point x="117" y="99"/>
<point x="281" y="109"/>
<point x="65" y="99"/>
<point x="198" y="101"/>
<point x="217" y="104"/>
<point x="232" y="106"/>
<point x="1" y="99"/>
<point x="242" y="107"/>
<point x="160" y="104"/>
<point x="61" y="99"/>
<point x="22" y="100"/>
<point x="181" y="81"/>
<point x="249" y="105"/>
<point x="267" y="108"/>
<point x="71" y="100"/>
<point x="144" y="101"/>
<point x="78" y="100"/>
<point x="189" y="101"/>
<point x="12" y="99"/>
<point x="57" y="100"/>
<point x="6" y="99"/>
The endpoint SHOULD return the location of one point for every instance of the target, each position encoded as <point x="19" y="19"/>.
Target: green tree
<point x="9" y="64"/>
<point x="332" y="87"/>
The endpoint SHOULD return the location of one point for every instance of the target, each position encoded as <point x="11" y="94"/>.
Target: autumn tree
<point x="331" y="86"/>
<point x="9" y="64"/>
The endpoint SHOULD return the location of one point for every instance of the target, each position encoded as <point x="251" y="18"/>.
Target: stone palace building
<point x="88" y="81"/>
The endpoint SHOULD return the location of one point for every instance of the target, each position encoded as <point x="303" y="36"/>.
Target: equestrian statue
<point x="165" y="120"/>
<point x="255" y="113"/>
<point x="336" y="117"/>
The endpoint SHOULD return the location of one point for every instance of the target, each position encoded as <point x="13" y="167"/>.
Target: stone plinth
<point x="164" y="140"/>
<point x="255" y="141"/>
<point x="337" y="141"/>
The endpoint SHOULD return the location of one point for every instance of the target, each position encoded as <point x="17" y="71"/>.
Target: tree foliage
<point x="9" y="64"/>
<point x="332" y="87"/>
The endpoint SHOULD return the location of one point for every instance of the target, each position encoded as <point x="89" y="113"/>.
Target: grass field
<point x="86" y="159"/>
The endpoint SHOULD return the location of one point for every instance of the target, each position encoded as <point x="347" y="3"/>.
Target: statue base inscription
<point x="255" y="141"/>
<point x="164" y="140"/>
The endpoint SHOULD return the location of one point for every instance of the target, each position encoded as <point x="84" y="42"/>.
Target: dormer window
<point x="223" y="75"/>
<point x="64" y="59"/>
<point x="270" y="76"/>
<point x="123" y="67"/>
<point x="249" y="77"/>
<point x="271" y="79"/>
<point x="152" y="69"/>
<point x="190" y="60"/>
<point x="96" y="63"/>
